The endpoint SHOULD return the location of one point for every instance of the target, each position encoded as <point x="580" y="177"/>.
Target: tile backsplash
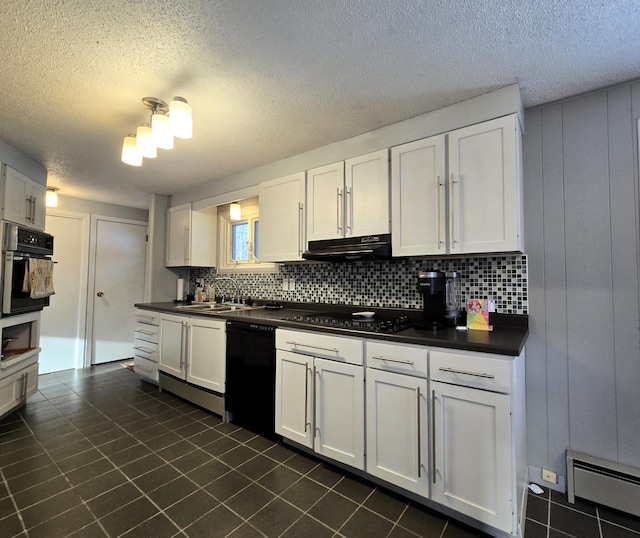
<point x="387" y="283"/>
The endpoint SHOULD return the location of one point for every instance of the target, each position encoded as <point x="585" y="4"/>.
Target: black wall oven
<point x="19" y="244"/>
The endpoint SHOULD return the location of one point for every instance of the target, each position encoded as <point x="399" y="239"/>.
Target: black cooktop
<point x="377" y="323"/>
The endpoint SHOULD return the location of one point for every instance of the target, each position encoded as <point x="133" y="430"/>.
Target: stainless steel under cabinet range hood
<point x="368" y="247"/>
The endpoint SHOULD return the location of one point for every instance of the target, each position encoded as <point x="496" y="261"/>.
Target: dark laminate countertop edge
<point x="506" y="339"/>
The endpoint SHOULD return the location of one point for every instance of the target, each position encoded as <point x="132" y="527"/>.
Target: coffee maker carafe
<point x="432" y="287"/>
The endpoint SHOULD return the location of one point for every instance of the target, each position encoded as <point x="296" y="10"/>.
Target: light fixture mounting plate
<point x="155" y="104"/>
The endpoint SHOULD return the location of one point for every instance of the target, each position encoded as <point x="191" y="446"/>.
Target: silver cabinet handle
<point x="386" y="359"/>
<point x="463" y="372"/>
<point x="348" y="214"/>
<point x="186" y="244"/>
<point x="143" y="349"/>
<point x="452" y="207"/>
<point x="142" y="331"/>
<point x="27" y="209"/>
<point x="339" y="210"/>
<point x="433" y="434"/>
<point x="439" y="231"/>
<point x="33" y="210"/>
<point x="331" y="350"/>
<point x="316" y="431"/>
<point x="182" y="343"/>
<point x="300" y="227"/>
<point x="307" y="421"/>
<point x="419" y="440"/>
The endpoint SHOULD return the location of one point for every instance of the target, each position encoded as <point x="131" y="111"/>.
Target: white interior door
<point x="118" y="270"/>
<point x="62" y="329"/>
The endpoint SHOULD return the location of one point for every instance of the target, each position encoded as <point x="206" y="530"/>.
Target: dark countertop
<point x="508" y="337"/>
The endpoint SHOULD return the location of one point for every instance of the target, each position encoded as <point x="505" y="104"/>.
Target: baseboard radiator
<point x="609" y="484"/>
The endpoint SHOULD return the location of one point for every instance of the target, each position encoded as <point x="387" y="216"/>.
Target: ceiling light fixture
<point x="235" y="212"/>
<point x="51" y="197"/>
<point x="166" y="122"/>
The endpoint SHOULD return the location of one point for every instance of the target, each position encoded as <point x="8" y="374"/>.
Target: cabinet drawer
<point x="146" y="332"/>
<point x="400" y="358"/>
<point x="337" y="348"/>
<point x="146" y="350"/>
<point x="477" y="370"/>
<point x="145" y="368"/>
<point x="147" y="317"/>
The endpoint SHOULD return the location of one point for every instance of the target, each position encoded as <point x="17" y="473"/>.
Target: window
<point x="239" y="240"/>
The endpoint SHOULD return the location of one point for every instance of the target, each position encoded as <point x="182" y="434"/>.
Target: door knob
<point x="99" y="294"/>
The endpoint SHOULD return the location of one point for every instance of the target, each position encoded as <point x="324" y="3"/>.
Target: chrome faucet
<point x="235" y="282"/>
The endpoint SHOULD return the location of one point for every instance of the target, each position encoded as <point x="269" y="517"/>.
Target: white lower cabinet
<point x="397" y="430"/>
<point x="206" y="358"/>
<point x="194" y="350"/>
<point x="339" y="412"/>
<point x="320" y="394"/>
<point x="294" y="397"/>
<point x="472" y="449"/>
<point x="15" y="388"/>
<point x="446" y="425"/>
<point x="145" y="347"/>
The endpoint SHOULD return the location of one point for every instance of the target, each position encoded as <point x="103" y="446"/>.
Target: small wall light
<point x="52" y="197"/>
<point x="235" y="212"/>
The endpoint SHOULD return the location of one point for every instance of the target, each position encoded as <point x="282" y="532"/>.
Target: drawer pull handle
<point x="143" y="349"/>
<point x="332" y="350"/>
<point x="142" y="331"/>
<point x="399" y="361"/>
<point x="462" y="372"/>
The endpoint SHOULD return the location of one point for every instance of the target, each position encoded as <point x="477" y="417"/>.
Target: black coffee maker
<point x="432" y="286"/>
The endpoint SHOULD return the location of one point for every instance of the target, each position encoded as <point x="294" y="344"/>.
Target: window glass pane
<point x="239" y="238"/>
<point x="255" y="239"/>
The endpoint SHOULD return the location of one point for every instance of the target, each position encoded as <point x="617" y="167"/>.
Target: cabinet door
<point x="366" y="194"/>
<point x="339" y="412"/>
<point x="485" y="187"/>
<point x="206" y="356"/>
<point x="397" y="430"/>
<point x="10" y="392"/>
<point x="30" y="380"/>
<point x="294" y="397"/>
<point x="36" y="199"/>
<point x="178" y="236"/>
<point x="172" y="344"/>
<point x="282" y="219"/>
<point x="15" y="196"/>
<point x="325" y="202"/>
<point x="418" y="195"/>
<point x="473" y="458"/>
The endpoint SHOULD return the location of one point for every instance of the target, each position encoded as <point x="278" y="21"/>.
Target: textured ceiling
<point x="268" y="79"/>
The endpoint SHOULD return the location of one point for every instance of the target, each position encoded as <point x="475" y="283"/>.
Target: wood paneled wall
<point x="582" y="238"/>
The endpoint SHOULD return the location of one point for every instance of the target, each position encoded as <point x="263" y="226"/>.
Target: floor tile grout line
<point x="13" y="501"/>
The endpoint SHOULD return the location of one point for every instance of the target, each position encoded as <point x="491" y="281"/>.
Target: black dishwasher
<point x="251" y="376"/>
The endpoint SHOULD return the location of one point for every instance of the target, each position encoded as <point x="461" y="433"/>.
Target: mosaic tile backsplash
<point x="386" y="283"/>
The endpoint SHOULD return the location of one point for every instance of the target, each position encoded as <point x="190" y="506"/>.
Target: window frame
<point x="251" y="215"/>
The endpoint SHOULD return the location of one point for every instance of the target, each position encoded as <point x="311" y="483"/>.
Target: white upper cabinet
<point x="325" y="202"/>
<point x="470" y="202"/>
<point x="366" y="194"/>
<point x="350" y="198"/>
<point x="282" y="236"/>
<point x="419" y="198"/>
<point x="485" y="187"/>
<point x="191" y="237"/>
<point x="23" y="200"/>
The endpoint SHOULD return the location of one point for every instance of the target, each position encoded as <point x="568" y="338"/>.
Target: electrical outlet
<point x="292" y="284"/>
<point x="549" y="476"/>
<point x="285" y="284"/>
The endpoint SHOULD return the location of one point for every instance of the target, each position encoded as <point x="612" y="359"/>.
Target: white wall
<point x="581" y="196"/>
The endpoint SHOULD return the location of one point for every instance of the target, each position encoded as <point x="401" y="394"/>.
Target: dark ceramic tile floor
<point x="100" y="453"/>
